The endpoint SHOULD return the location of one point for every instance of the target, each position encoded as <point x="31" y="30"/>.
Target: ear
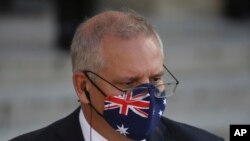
<point x="79" y="82"/>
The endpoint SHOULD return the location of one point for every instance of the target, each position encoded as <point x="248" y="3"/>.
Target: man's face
<point x="127" y="63"/>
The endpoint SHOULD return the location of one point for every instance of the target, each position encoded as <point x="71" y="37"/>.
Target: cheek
<point x="97" y="99"/>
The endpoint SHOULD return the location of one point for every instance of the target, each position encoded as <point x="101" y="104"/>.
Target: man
<point x="121" y="82"/>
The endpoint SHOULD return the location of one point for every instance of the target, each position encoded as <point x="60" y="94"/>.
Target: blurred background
<point x="207" y="47"/>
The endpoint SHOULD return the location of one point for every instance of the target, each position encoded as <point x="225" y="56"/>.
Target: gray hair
<point x="88" y="36"/>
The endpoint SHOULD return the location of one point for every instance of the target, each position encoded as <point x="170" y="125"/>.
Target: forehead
<point x="131" y="56"/>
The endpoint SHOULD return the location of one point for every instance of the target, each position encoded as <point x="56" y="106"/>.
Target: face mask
<point x="135" y="114"/>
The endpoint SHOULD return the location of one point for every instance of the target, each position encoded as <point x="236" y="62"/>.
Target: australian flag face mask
<point x="136" y="113"/>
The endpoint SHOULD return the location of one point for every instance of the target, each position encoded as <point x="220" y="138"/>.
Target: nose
<point x="144" y="80"/>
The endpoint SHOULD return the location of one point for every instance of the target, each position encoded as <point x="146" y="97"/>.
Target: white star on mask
<point x="164" y="101"/>
<point x="122" y="130"/>
<point x="160" y="113"/>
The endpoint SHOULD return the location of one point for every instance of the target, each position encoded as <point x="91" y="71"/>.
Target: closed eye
<point x="157" y="79"/>
<point x="126" y="85"/>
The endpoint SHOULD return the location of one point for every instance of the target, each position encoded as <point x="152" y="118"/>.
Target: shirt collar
<point x="87" y="131"/>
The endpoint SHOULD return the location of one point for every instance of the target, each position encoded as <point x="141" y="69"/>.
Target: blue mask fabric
<point x="135" y="114"/>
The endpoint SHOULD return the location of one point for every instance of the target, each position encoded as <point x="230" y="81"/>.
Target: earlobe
<point x="79" y="82"/>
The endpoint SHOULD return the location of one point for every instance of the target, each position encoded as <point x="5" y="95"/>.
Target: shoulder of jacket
<point x="178" y="130"/>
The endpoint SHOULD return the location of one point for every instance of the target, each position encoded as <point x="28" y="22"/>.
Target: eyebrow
<point x="161" y="73"/>
<point x="127" y="79"/>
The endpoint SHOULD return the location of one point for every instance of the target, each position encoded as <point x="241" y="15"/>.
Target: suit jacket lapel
<point x="161" y="132"/>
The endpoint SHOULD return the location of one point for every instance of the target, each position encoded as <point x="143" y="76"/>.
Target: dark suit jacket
<point x="68" y="129"/>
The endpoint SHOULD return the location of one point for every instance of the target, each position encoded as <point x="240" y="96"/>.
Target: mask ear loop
<point x="91" y="110"/>
<point x="91" y="106"/>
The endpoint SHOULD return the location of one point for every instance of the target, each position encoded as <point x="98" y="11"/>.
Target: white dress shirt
<point x="89" y="133"/>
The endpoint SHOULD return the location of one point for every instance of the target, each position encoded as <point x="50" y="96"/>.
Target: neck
<point x="97" y="122"/>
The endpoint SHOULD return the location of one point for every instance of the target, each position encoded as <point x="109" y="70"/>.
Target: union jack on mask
<point x="136" y="113"/>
